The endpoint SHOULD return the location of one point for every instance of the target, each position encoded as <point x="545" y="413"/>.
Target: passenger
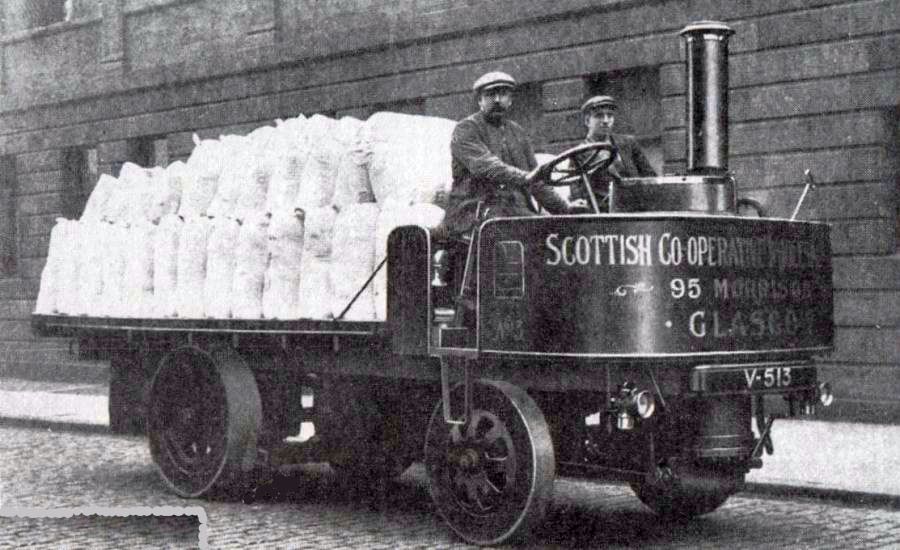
<point x="494" y="169"/>
<point x="599" y="115"/>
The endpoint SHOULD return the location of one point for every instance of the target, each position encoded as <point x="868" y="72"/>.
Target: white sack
<point x="118" y="207"/>
<point x="51" y="275"/>
<point x="167" y="185"/>
<point x="291" y="151"/>
<point x="252" y="200"/>
<point x="396" y="214"/>
<point x="220" y="264"/>
<point x="314" y="294"/>
<point x="139" y="183"/>
<point x="251" y="260"/>
<point x="352" y="177"/>
<point x="320" y="169"/>
<point x="165" y="265"/>
<point x="261" y="136"/>
<point x="192" y="267"/>
<point x="408" y="156"/>
<point x="90" y="272"/>
<point x="67" y="296"/>
<point x="235" y="169"/>
<point x="95" y="208"/>
<point x="282" y="284"/>
<point x="114" y="242"/>
<point x="204" y="168"/>
<point x="387" y="126"/>
<point x="138" y="281"/>
<point x="353" y="251"/>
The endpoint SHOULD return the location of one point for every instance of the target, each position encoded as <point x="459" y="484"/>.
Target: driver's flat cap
<point x="599" y="102"/>
<point x="493" y="79"/>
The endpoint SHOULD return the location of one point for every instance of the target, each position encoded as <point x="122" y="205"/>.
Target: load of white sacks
<point x="287" y="222"/>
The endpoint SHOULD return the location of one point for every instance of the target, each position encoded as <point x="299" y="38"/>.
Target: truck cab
<point x="637" y="342"/>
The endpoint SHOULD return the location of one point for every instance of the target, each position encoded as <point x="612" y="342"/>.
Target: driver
<point x="494" y="169"/>
<point x="599" y="116"/>
<point x="495" y="174"/>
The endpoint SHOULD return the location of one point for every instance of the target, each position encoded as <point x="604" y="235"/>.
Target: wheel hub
<point x="468" y="460"/>
<point x="186" y="416"/>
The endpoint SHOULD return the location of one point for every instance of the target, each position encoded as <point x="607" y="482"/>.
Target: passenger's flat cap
<point x="597" y="102"/>
<point x="493" y="79"/>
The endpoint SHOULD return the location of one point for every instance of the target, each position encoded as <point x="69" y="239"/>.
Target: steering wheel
<point x="575" y="165"/>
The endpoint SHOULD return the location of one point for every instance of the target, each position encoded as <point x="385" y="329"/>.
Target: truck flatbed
<point x="67" y="325"/>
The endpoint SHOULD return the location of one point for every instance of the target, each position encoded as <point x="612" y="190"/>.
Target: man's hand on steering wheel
<point x="540" y="173"/>
<point x="574" y="167"/>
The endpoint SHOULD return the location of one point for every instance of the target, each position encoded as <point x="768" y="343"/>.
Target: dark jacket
<point x="630" y="163"/>
<point x="490" y="165"/>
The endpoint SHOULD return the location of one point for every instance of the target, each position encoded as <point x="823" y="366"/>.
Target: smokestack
<point x="707" y="97"/>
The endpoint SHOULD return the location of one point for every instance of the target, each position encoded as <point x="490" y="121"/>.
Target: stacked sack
<point x="287" y="222"/>
<point x="315" y="292"/>
<point x="281" y="287"/>
<point x="353" y="261"/>
<point x="408" y="157"/>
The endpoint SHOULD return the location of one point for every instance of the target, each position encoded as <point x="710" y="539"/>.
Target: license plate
<point x="769" y="378"/>
<point x="752" y="378"/>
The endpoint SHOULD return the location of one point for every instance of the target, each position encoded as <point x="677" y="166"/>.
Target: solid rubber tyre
<point x="491" y="479"/>
<point x="203" y="422"/>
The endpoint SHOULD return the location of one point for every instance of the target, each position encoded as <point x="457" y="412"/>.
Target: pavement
<point x="848" y="461"/>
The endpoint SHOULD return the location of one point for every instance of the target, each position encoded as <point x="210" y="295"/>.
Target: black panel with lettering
<point x="666" y="285"/>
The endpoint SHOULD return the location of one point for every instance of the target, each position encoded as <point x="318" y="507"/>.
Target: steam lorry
<point x="637" y="343"/>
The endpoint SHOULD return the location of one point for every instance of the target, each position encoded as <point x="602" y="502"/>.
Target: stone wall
<point x="813" y="85"/>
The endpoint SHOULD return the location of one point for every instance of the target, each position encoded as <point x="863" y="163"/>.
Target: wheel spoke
<point x="490" y="485"/>
<point x="570" y="166"/>
<point x="497" y="432"/>
<point x="496" y="459"/>
<point x="473" y="497"/>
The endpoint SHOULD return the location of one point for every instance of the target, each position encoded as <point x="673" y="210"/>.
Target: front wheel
<point x="687" y="494"/>
<point x="491" y="478"/>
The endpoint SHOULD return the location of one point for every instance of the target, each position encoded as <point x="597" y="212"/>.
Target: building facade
<point x="86" y="85"/>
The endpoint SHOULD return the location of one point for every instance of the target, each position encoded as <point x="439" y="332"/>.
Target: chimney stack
<point x="707" y="97"/>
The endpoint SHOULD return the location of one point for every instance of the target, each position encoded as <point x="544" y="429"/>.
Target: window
<point x="8" y="223"/>
<point x="80" y="172"/>
<point x="149" y="151"/>
<point x="509" y="269"/>
<point x="24" y="15"/>
<point x="640" y="107"/>
<point x="41" y="13"/>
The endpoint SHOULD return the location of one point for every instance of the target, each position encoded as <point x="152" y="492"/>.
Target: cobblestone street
<point x="306" y="507"/>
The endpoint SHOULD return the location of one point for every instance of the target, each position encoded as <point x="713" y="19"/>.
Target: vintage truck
<point x="637" y="343"/>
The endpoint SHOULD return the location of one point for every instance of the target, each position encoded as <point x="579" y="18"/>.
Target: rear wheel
<point x="203" y="421"/>
<point x="491" y="479"/>
<point x="687" y="494"/>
